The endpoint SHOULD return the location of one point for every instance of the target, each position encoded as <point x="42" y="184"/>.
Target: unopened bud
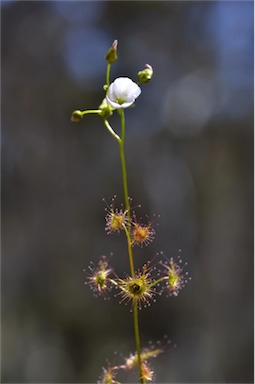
<point x="145" y="75"/>
<point x="111" y="55"/>
<point x="76" y="116"/>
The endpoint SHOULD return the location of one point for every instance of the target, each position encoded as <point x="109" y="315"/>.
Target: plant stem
<point x="108" y="71"/>
<point x="137" y="341"/>
<point x="129" y="243"/>
<point x="98" y="111"/>
<point x="114" y="134"/>
<point x="130" y="253"/>
<point x="123" y="162"/>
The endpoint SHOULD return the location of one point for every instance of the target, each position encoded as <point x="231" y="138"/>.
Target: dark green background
<point x="190" y="159"/>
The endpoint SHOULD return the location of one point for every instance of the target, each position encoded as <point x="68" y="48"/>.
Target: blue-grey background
<point x="190" y="159"/>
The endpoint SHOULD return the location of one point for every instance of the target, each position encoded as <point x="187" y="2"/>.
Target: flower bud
<point x="145" y="75"/>
<point x="76" y="116"/>
<point x="111" y="55"/>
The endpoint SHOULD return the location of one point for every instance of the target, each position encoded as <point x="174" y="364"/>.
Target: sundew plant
<point x="140" y="287"/>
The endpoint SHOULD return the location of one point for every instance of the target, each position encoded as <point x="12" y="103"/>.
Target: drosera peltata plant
<point x="140" y="287"/>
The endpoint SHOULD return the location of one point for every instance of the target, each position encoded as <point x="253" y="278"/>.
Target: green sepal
<point x="111" y="55"/>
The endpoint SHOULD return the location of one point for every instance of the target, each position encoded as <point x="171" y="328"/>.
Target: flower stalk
<point x="140" y="287"/>
<point x="129" y="243"/>
<point x="137" y="341"/>
<point x="121" y="141"/>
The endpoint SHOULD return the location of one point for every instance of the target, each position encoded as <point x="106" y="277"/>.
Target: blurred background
<point x="189" y="154"/>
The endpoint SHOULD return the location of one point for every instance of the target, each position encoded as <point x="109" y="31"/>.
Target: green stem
<point x="108" y="72"/>
<point x="130" y="252"/>
<point x="121" y="141"/>
<point x="129" y="243"/>
<point x="158" y="281"/>
<point x="137" y="341"/>
<point x="114" y="134"/>
<point x="123" y="162"/>
<point x="98" y="111"/>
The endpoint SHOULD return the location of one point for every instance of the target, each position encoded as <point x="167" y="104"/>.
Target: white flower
<point x="122" y="93"/>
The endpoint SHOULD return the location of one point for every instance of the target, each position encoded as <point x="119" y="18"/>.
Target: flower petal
<point x="122" y="93"/>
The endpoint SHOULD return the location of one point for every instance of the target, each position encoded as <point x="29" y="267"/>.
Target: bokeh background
<point x="190" y="159"/>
